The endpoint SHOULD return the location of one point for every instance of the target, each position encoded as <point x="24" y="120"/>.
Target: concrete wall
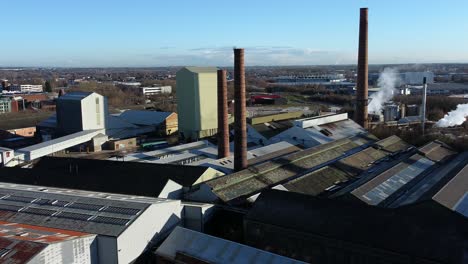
<point x="197" y="103"/>
<point x="107" y="249"/>
<point x="152" y="225"/>
<point x="171" y="124"/>
<point x="69" y="116"/>
<point x="93" y="114"/>
<point x="186" y="107"/>
<point x="172" y="190"/>
<point x="208" y="96"/>
<point x="79" y="250"/>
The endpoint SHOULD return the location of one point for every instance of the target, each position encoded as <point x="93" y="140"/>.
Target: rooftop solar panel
<point x="17" y="198"/>
<point x="59" y="203"/>
<point x="42" y="201"/>
<point x="110" y="220"/>
<point x="121" y="210"/>
<point x="9" y="207"/>
<point x="74" y="216"/>
<point x="38" y="211"/>
<point x="84" y="206"/>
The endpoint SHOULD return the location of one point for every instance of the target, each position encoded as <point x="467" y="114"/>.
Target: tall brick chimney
<point x="223" y="125"/>
<point x="240" y="122"/>
<point x="363" y="72"/>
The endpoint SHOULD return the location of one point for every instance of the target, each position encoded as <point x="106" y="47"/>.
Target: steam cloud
<point x="455" y="117"/>
<point x="387" y="82"/>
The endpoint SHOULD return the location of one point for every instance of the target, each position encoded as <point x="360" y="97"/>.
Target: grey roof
<point x="215" y="250"/>
<point x="89" y="212"/>
<point x="454" y="194"/>
<point x="202" y="69"/>
<point x="147" y="118"/>
<point x="75" y="96"/>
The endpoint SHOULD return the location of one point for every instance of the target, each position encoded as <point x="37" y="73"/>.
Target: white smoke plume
<point x="455" y="117"/>
<point x="387" y="81"/>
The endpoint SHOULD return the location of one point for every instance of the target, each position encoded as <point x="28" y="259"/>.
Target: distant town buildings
<point x="197" y="102"/>
<point x="26" y="88"/>
<point x="5" y="105"/>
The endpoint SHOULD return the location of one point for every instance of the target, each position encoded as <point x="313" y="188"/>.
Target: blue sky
<point x="83" y="33"/>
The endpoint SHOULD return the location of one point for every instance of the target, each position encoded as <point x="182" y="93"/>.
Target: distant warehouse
<point x="148" y="91"/>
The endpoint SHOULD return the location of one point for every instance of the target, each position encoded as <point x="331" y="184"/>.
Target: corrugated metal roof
<point x="454" y="194"/>
<point x="318" y="181"/>
<point x="259" y="177"/>
<point x="215" y="250"/>
<point x="381" y="187"/>
<point x="147" y="118"/>
<point x="436" y="151"/>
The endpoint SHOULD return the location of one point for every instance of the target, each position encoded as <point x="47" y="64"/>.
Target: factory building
<point x="197" y="102"/>
<point x="80" y="111"/>
<point x="131" y="178"/>
<point x="318" y="230"/>
<point x="125" y="225"/>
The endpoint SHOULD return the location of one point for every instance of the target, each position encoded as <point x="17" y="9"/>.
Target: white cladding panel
<point x="152" y="225"/>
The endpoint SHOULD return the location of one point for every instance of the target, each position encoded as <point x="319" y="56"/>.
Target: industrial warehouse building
<point x="332" y="231"/>
<point x="125" y="225"/>
<point x="197" y="102"/>
<point x="132" y="178"/>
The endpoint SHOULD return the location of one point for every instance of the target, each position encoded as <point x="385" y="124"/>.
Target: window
<point x="98" y="112"/>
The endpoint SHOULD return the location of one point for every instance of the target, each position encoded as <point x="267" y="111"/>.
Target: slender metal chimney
<point x="363" y="72"/>
<point x="423" y="107"/>
<point x="223" y="125"/>
<point x="240" y="122"/>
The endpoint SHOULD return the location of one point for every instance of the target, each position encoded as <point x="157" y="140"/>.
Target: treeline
<point x="116" y="97"/>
